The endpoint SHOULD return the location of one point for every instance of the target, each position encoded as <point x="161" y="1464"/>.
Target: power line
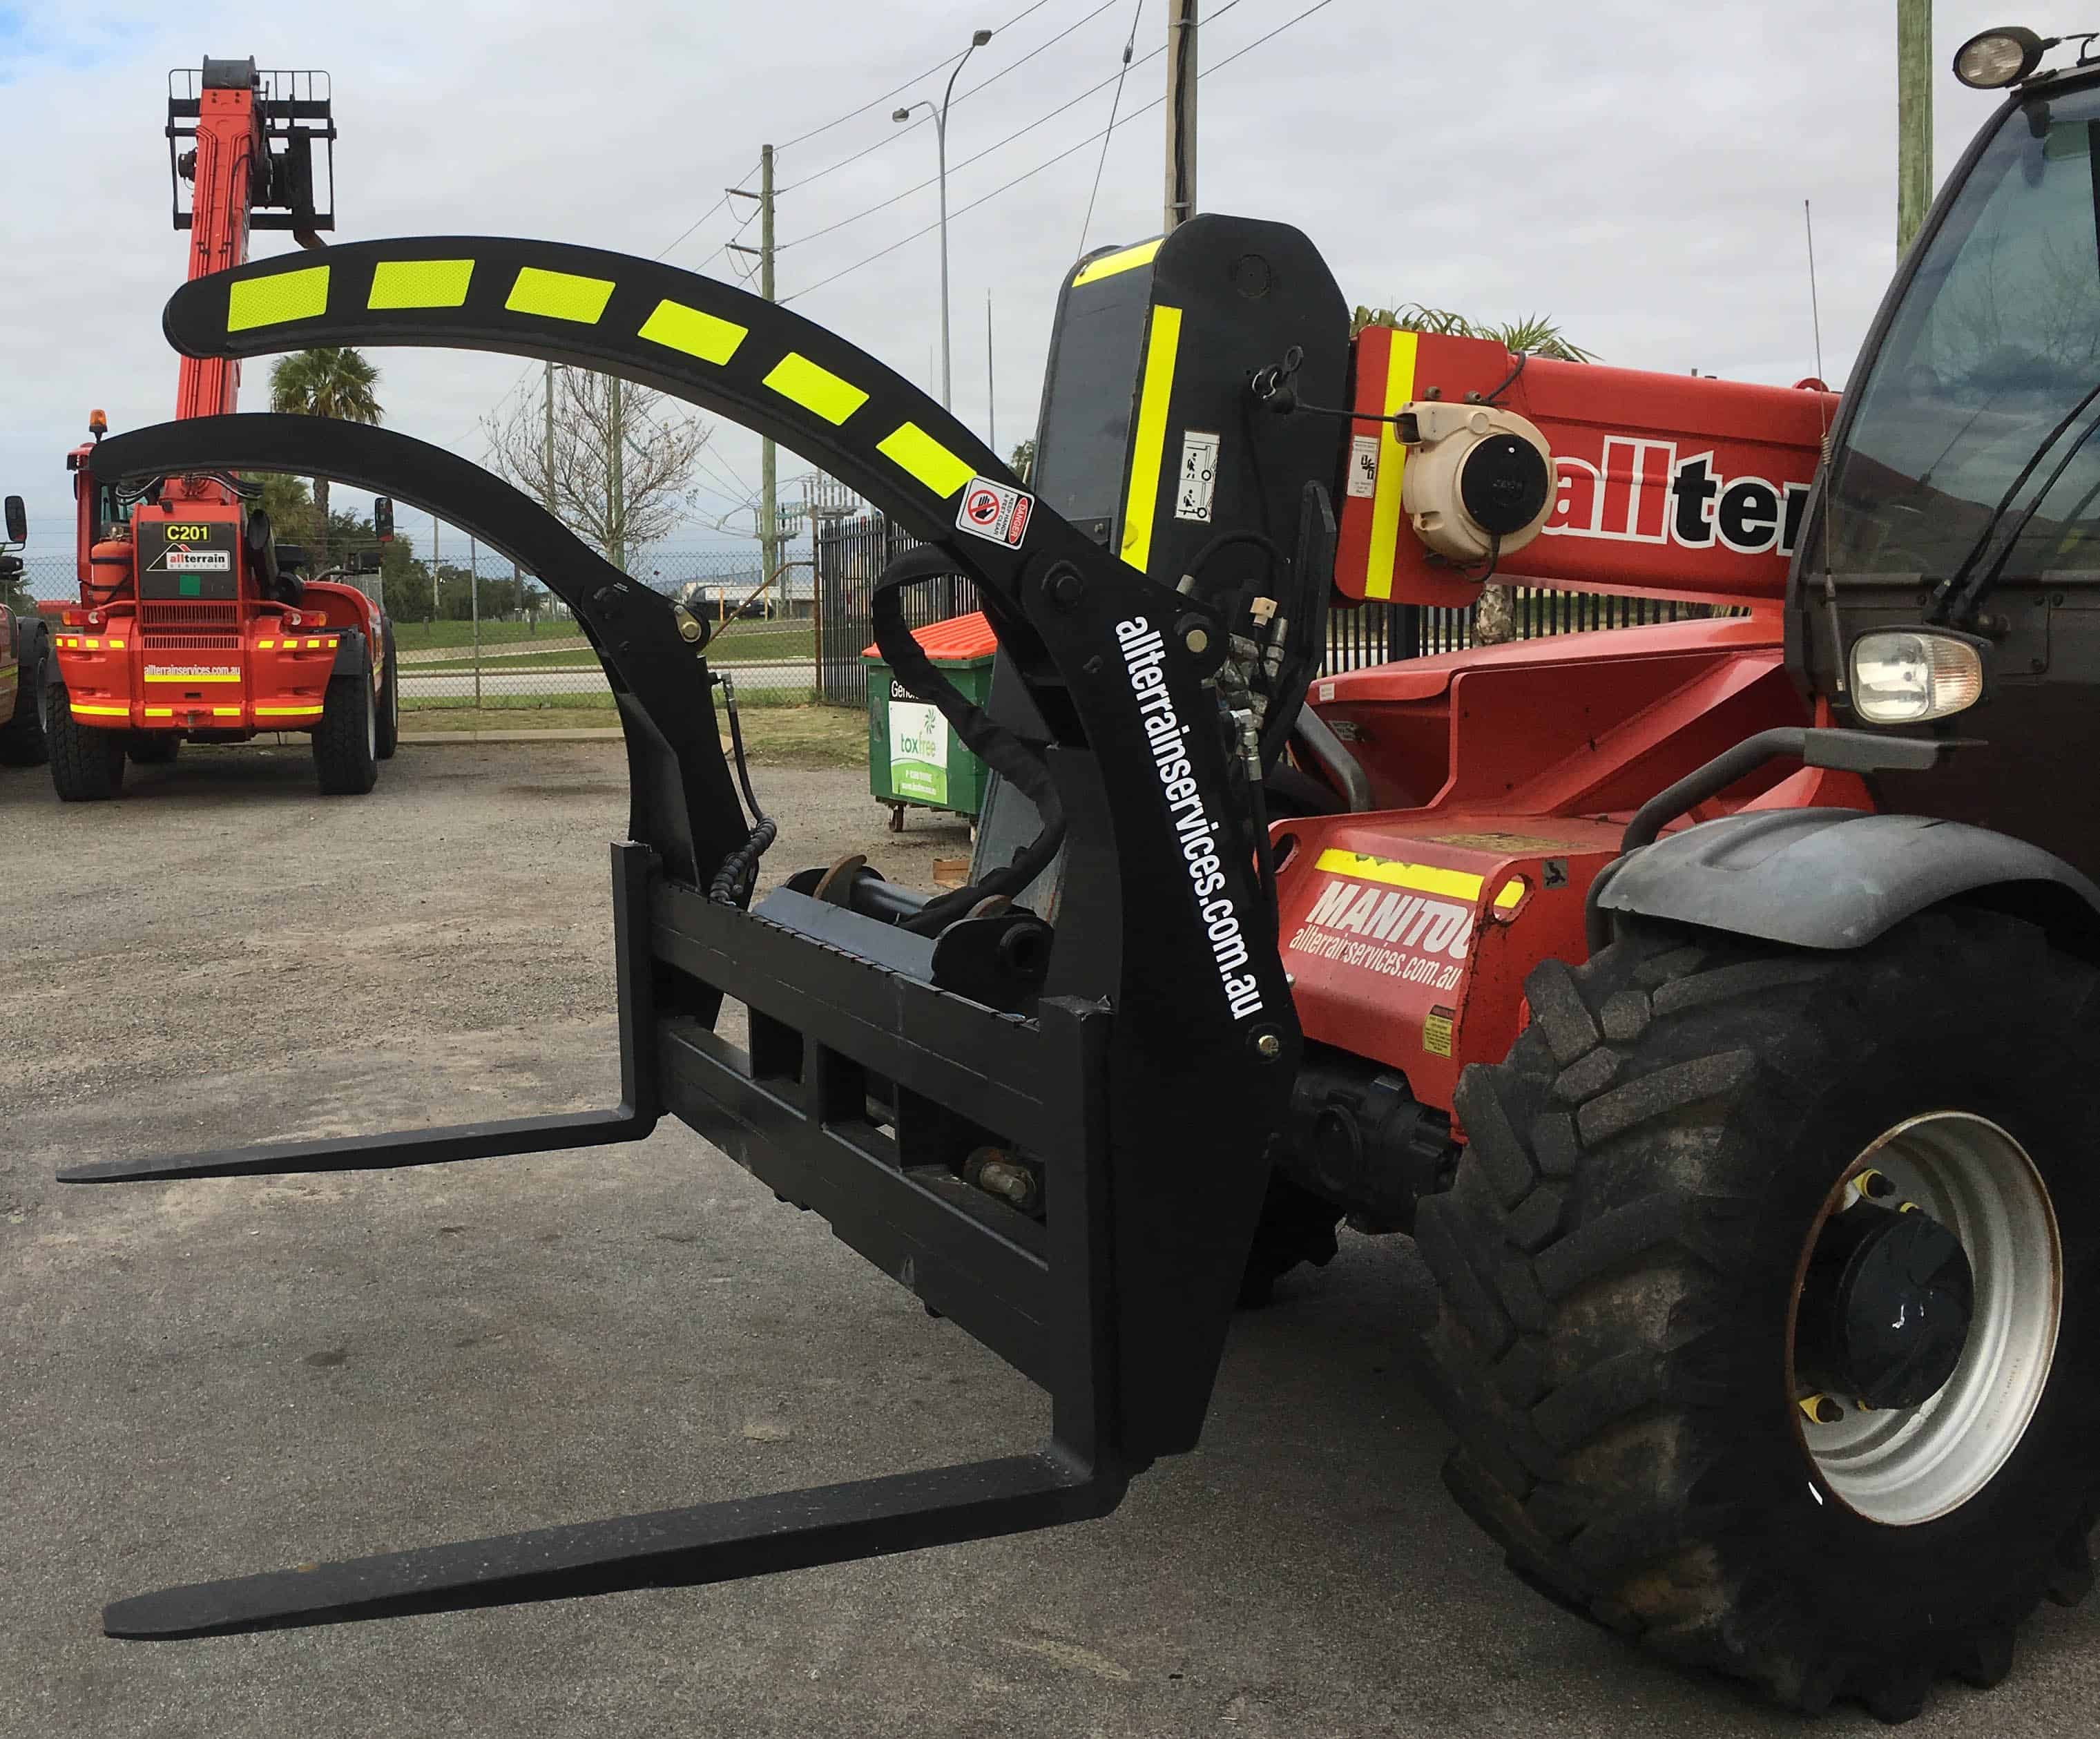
<point x="1050" y="162"/>
<point x="891" y="138"/>
<point x="1114" y="104"/>
<point x="919" y="78"/>
<point x="921" y="186"/>
<point x="1115" y="79"/>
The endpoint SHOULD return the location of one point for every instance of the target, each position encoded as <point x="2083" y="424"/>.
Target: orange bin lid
<point x="958" y="640"/>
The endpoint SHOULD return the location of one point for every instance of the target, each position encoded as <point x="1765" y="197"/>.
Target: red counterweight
<point x="1667" y="485"/>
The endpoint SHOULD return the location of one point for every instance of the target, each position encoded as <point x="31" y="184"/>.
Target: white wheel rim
<point x="1904" y="1466"/>
<point x="371" y="732"/>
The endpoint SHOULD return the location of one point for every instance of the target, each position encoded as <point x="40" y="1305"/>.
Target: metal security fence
<point x="850" y="556"/>
<point x="1375" y="634"/>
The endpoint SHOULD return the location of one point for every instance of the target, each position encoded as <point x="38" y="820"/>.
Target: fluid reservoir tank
<point x="108" y="567"/>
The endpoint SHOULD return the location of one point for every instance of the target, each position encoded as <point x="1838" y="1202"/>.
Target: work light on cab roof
<point x="1991" y="59"/>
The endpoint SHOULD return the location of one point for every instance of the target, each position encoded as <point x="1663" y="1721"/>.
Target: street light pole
<point x="978" y="38"/>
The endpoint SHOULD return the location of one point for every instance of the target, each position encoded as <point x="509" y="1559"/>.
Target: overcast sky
<point x="1635" y="169"/>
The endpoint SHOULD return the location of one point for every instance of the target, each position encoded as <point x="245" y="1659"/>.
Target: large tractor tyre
<point x="1770" y="1326"/>
<point x="1296" y="1227"/>
<point x="23" y="737"/>
<point x="387" y="735"/>
<point x="347" y="741"/>
<point x="152" y="748"/>
<point x="87" y="764"/>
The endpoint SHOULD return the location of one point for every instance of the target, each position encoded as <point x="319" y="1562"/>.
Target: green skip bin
<point x="914" y="759"/>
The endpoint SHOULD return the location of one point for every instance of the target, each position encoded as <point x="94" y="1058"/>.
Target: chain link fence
<point x="475" y="635"/>
<point x="476" y="638"/>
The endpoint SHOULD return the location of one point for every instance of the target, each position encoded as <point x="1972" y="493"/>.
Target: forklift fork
<point x="1137" y="1077"/>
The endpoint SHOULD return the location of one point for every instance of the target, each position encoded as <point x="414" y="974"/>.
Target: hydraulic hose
<point x="1014" y="759"/>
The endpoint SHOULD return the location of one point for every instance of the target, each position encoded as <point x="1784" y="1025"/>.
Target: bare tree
<point x="619" y="471"/>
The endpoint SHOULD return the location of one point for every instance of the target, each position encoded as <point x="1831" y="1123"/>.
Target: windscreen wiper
<point x="1958" y="594"/>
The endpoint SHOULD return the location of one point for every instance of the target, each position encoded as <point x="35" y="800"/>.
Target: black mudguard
<point x="1837" y="878"/>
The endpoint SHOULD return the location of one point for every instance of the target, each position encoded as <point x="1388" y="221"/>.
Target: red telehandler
<point x="193" y="622"/>
<point x="1717" y="1003"/>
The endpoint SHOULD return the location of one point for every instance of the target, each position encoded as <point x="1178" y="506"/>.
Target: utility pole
<point x="547" y="455"/>
<point x="1180" y="111"/>
<point x="1913" y="116"/>
<point x="433" y="568"/>
<point x="474" y="592"/>
<point x="991" y="391"/>
<point x="769" y="522"/>
<point x="615" y="500"/>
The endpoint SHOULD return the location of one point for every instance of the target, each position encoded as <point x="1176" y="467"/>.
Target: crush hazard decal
<point x="1417" y="938"/>
<point x="995" y="511"/>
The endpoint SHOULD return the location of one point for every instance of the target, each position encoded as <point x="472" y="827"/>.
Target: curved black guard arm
<point x="1174" y="934"/>
<point x="683" y="804"/>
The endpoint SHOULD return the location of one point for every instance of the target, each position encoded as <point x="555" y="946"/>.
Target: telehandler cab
<point x="1717" y="1003"/>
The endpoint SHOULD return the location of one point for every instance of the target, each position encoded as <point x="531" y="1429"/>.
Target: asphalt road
<point x="204" y="1378"/>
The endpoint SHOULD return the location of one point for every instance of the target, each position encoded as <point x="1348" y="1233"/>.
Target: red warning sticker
<point x="995" y="511"/>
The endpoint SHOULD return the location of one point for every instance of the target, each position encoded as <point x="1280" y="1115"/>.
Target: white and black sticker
<point x="995" y="511"/>
<point x="1198" y="484"/>
<point x="1363" y="465"/>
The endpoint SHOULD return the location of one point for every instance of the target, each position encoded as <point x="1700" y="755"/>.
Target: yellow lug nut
<point x="1820" y="1409"/>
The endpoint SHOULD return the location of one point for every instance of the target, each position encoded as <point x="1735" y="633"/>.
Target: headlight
<point x="1904" y="676"/>
<point x="1993" y="59"/>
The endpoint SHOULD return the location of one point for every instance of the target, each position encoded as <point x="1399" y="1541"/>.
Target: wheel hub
<point x="1926" y="1318"/>
<point x="1885" y="1307"/>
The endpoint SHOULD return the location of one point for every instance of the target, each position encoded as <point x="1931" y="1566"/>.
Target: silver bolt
<point x="1197" y="640"/>
<point x="1268" y="1046"/>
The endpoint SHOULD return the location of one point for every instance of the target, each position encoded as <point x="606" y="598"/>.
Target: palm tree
<point x="334" y="381"/>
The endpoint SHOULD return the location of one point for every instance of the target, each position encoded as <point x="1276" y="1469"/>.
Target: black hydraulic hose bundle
<point x="738" y="872"/>
<point x="1013" y="757"/>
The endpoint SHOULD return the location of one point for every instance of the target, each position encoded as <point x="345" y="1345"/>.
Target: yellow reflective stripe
<point x="226" y="712"/>
<point x="94" y="712"/>
<point x="264" y="646"/>
<point x="694" y="331"/>
<point x="285" y="712"/>
<point x="1392" y="456"/>
<point x="282" y="296"/>
<point x="558" y="295"/>
<point x="159" y="712"/>
<point x="192" y="675"/>
<point x="1151" y="445"/>
<point x="816" y="388"/>
<point x="93" y="646"/>
<point x="420" y="283"/>
<point x="1512" y="891"/>
<point x="1424" y="878"/>
<point x="1110" y="264"/>
<point x="117" y="645"/>
<point x="913" y="449"/>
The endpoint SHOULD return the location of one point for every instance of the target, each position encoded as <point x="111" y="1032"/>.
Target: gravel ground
<point x="209" y="1378"/>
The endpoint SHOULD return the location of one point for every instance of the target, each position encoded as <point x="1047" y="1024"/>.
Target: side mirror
<point x="382" y="518"/>
<point x="18" y="521"/>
